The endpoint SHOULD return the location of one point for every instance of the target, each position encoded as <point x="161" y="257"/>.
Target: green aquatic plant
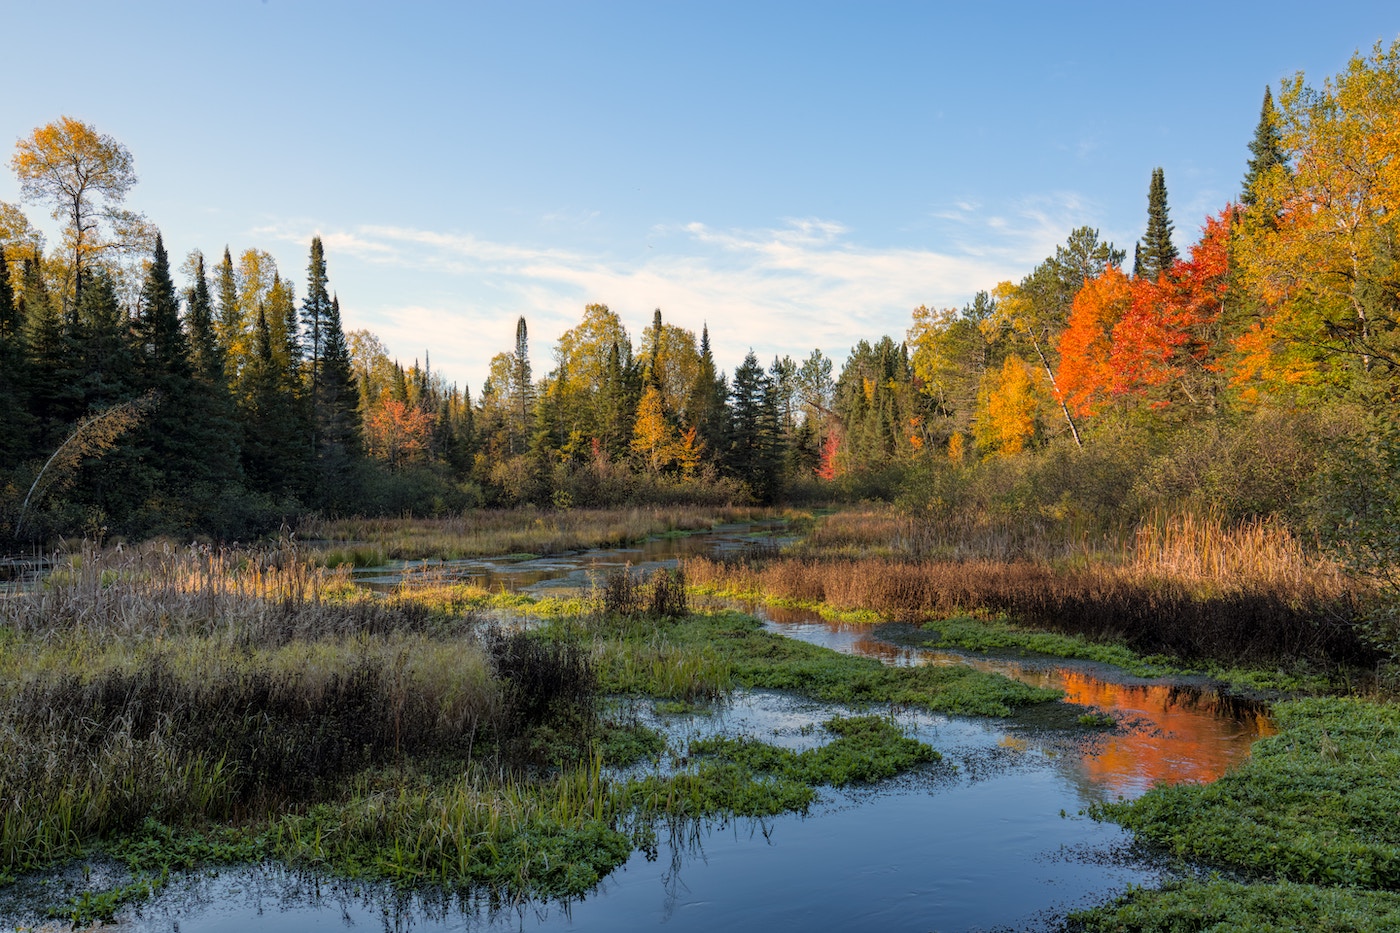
<point x="866" y="749"/>
<point x="1221" y="906"/>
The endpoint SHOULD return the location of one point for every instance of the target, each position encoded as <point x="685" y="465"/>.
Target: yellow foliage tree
<point x="84" y="175"/>
<point x="1318" y="245"/>
<point x="653" y="437"/>
<point x="1007" y="409"/>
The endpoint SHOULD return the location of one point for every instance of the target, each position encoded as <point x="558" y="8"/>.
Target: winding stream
<point x="991" y="838"/>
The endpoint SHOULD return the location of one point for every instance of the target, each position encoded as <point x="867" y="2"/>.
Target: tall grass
<point x="490" y="533"/>
<point x="250" y="597"/>
<point x="1187" y="586"/>
<point x="193" y="684"/>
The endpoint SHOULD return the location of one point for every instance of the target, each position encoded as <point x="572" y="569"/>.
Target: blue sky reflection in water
<point x="978" y="847"/>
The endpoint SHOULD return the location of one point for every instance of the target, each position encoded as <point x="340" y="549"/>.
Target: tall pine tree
<point x="315" y="312"/>
<point x="171" y="438"/>
<point x="54" y="368"/>
<point x="755" y="452"/>
<point x="1157" y="253"/>
<point x="706" y="404"/>
<point x="338" y="429"/>
<point x="215" y="469"/>
<point x="522" y="391"/>
<point x="1265" y="150"/>
<point x="14" y="376"/>
<point x="229" y="325"/>
<point x="274" y="434"/>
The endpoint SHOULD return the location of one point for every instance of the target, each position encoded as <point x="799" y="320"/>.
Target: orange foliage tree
<point x="398" y="433"/>
<point x="1153" y="340"/>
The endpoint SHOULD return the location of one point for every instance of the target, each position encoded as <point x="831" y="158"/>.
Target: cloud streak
<point x="807" y="283"/>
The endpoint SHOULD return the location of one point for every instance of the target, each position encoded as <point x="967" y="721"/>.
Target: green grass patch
<point x="1317" y="803"/>
<point x="625" y="744"/>
<point x="1220" y="906"/>
<point x="717" y="789"/>
<point x="990" y="635"/>
<point x="735" y="647"/>
<point x="866" y="749"/>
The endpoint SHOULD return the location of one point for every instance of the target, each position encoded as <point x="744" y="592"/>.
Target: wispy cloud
<point x="806" y="283"/>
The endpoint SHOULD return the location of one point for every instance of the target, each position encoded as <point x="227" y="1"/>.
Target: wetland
<point x="581" y="741"/>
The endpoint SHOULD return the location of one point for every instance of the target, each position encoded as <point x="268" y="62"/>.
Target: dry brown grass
<point x="1186" y="586"/>
<point x="248" y="597"/>
<point x="490" y="533"/>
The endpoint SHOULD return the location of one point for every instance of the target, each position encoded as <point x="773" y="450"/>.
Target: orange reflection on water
<point x="1166" y="735"/>
<point x="1173" y="735"/>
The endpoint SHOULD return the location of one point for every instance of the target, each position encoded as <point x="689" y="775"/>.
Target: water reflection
<point x="565" y="572"/>
<point x="1168" y="732"/>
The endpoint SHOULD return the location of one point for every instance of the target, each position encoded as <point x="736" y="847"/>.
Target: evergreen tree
<point x="651" y="372"/>
<point x="213" y="417"/>
<point x="616" y="404"/>
<point x="14" y="376"/>
<point x="1158" y="253"/>
<point x="56" y="400"/>
<point x="229" y="322"/>
<point x="315" y="310"/>
<point x="522" y="391"/>
<point x="165" y="348"/>
<point x="706" y="404"/>
<point x="755" y="452"/>
<point x="1265" y="149"/>
<point x="338" y="430"/>
<point x="173" y="438"/>
<point x="110" y="371"/>
<point x="206" y="356"/>
<point x="274" y="458"/>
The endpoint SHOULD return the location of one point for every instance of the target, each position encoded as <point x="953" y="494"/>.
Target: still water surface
<point x="990" y="838"/>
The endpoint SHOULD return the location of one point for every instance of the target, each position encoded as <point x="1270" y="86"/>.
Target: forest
<point x="1253" y="372"/>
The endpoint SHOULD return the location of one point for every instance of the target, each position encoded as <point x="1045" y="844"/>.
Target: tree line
<point x="230" y="405"/>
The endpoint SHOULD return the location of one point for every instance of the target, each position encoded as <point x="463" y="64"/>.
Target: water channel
<point x="991" y="838"/>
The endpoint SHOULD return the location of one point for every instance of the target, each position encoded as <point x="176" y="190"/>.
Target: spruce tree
<point x="274" y="457"/>
<point x="213" y="418"/>
<point x="755" y="452"/>
<point x="1158" y="253"/>
<point x="522" y="390"/>
<point x="1265" y="150"/>
<point x="338" y="429"/>
<point x="651" y="376"/>
<point x="315" y="309"/>
<point x="54" y="368"/>
<point x="14" y="377"/>
<point x="206" y="356"/>
<point x="111" y="371"/>
<point x="172" y="437"/>
<point x="707" y="401"/>
<point x="229" y="320"/>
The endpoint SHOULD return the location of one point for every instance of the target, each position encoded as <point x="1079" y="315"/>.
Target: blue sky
<point x="797" y="175"/>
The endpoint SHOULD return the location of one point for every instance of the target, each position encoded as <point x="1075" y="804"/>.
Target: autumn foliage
<point x="1156" y="341"/>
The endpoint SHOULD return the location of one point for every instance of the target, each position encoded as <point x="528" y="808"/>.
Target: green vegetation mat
<point x="1230" y="907"/>
<point x="732" y="647"/>
<point x="1314" y="813"/>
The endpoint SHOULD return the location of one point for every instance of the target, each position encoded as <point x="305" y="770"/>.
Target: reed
<point x="264" y="596"/>
<point x="1187" y="586"/>
<point x="491" y="533"/>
